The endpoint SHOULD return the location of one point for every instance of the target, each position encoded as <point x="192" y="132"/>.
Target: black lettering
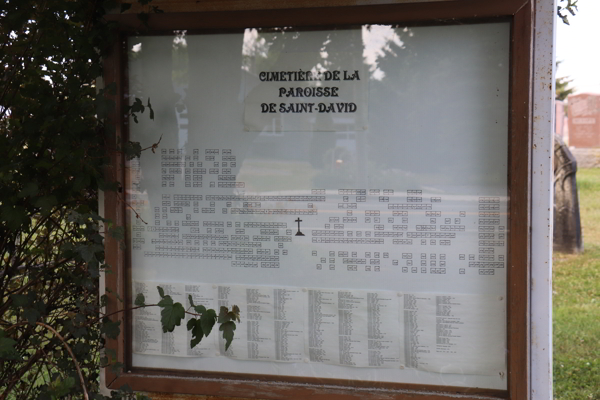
<point x="352" y="77"/>
<point x="326" y="108"/>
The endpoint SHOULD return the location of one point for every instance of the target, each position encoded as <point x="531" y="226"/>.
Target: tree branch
<point x="64" y="342"/>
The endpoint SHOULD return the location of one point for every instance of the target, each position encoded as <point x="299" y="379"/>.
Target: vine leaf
<point x="195" y="325"/>
<point x="110" y="328"/>
<point x="171" y="313"/>
<point x="227" y="328"/>
<point x="224" y="315"/>
<point x="140" y="300"/>
<point x="31" y="315"/>
<point x="235" y="313"/>
<point x="7" y="349"/>
<point x="200" y="309"/>
<point x="207" y="321"/>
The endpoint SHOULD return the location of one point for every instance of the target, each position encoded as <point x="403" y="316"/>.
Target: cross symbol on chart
<point x="299" y="233"/>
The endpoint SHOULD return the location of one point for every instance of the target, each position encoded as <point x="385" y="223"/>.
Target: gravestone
<point x="567" y="222"/>
<point x="584" y="120"/>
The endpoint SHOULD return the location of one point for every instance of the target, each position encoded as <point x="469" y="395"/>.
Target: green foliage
<point x="7" y="347"/>
<point x="138" y="107"/>
<point x="576" y="303"/>
<point x="207" y="321"/>
<point x="140" y="300"/>
<point x="173" y="313"/>
<point x="227" y="320"/>
<point x="54" y="141"/>
<point x="195" y="326"/>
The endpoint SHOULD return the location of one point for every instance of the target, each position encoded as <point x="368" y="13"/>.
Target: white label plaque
<point x="296" y="94"/>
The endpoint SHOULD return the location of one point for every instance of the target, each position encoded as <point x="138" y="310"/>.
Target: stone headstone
<point x="584" y="120"/>
<point x="567" y="223"/>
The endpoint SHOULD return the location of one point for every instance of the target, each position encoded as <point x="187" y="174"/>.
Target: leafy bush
<point x="51" y="169"/>
<point x="53" y="132"/>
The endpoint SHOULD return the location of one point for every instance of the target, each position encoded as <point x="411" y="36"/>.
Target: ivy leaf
<point x="161" y="292"/>
<point x="207" y="320"/>
<point x="132" y="149"/>
<point x="7" y="349"/>
<point x="171" y="313"/>
<point x="140" y="300"/>
<point x="45" y="203"/>
<point x="32" y="315"/>
<point x="191" y="300"/>
<point x="110" y="328"/>
<point x="20" y="300"/>
<point x="227" y="328"/>
<point x="86" y="252"/>
<point x="195" y="325"/>
<point x="60" y="388"/>
<point x="137" y="106"/>
<point x="116" y="368"/>
<point x="30" y="190"/>
<point x="103" y="362"/>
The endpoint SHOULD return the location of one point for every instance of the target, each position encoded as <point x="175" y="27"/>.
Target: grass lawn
<point x="576" y="308"/>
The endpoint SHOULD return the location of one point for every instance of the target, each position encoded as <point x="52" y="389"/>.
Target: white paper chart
<point x="354" y="328"/>
<point x="347" y="189"/>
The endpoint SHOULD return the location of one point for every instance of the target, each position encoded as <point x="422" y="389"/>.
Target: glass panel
<point x="347" y="188"/>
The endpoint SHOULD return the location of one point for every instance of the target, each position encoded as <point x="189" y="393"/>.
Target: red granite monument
<point x="584" y="120"/>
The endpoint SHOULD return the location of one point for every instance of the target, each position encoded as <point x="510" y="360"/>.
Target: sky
<point x="578" y="47"/>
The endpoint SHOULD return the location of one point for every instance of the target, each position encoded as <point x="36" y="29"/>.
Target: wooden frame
<point x="232" y="15"/>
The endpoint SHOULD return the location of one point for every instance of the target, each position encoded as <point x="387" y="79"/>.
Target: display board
<point x="346" y="188"/>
